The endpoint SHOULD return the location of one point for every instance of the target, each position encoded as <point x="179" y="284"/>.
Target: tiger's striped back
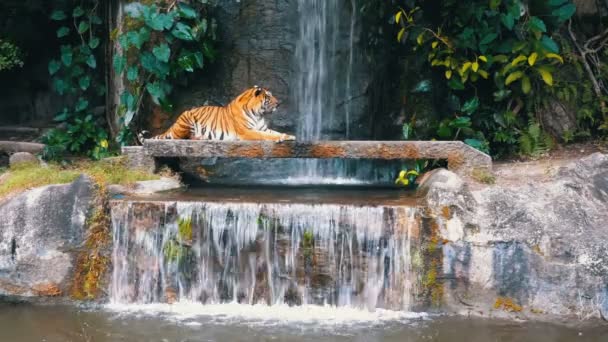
<point x="241" y="119"/>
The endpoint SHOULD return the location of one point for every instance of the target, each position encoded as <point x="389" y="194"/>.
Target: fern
<point x="534" y="142"/>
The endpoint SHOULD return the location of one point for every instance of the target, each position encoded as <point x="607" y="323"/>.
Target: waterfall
<point x="249" y="253"/>
<point x="323" y="88"/>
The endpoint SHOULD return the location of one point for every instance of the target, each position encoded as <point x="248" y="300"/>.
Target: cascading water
<point x="296" y="254"/>
<point x="323" y="89"/>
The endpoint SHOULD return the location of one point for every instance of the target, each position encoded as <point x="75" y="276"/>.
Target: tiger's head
<point x="258" y="100"/>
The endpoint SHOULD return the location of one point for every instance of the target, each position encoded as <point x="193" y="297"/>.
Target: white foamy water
<point x="191" y="313"/>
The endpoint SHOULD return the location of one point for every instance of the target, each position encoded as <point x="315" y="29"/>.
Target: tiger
<point x="241" y="119"/>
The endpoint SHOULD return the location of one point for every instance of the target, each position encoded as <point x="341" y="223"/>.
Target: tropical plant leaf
<point x="186" y="11"/>
<point x="162" y="52"/>
<point x="546" y="75"/>
<point x="58" y="15"/>
<point x="54" y="66"/>
<point x="78" y="11"/>
<point x="526" y="87"/>
<point x="66" y="55"/>
<point x="83" y="26"/>
<point x="91" y="62"/>
<point x="94" y="43"/>
<point x="514" y="77"/>
<point x="63" y="31"/>
<point x="132" y="73"/>
<point x="182" y="31"/>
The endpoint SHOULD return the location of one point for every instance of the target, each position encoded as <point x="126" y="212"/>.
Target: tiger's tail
<point x="141" y="136"/>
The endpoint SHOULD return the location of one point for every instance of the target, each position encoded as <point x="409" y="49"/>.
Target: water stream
<point x="262" y="253"/>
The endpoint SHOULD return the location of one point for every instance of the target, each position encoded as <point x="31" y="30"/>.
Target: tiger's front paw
<point x="288" y="137"/>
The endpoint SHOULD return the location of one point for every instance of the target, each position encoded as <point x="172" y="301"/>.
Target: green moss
<point x="185" y="229"/>
<point x="172" y="250"/>
<point x="483" y="176"/>
<point x="93" y="260"/>
<point x="112" y="171"/>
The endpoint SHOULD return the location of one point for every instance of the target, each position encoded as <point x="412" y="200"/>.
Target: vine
<point x="75" y="76"/>
<point x="160" y="44"/>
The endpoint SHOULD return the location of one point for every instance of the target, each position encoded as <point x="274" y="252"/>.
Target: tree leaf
<point x="83" y="27"/>
<point x="471" y="105"/>
<point x="182" y="31"/>
<point x="186" y="11"/>
<point x="84" y="82"/>
<point x="546" y="75"/>
<point x="59" y="85"/>
<point x="119" y="63"/>
<point x="81" y="104"/>
<point x="537" y="24"/>
<point x="93" y="43"/>
<point x="66" y="55"/>
<point x="132" y="73"/>
<point x="198" y="56"/>
<point x="128" y="100"/>
<point x="423" y="86"/>
<point x="455" y="84"/>
<point x="549" y="44"/>
<point x="400" y="34"/>
<point x="483" y="58"/>
<point x="532" y="58"/>
<point x="525" y="85"/>
<point x="91" y="61"/>
<point x="518" y="60"/>
<point x="565" y="12"/>
<point x="78" y="11"/>
<point x="162" y="52"/>
<point x="398" y="16"/>
<point x="58" y="15"/>
<point x="488" y="38"/>
<point x="514" y="77"/>
<point x="448" y="74"/>
<point x="475" y="66"/>
<point x="148" y="62"/>
<point x="63" y="31"/>
<point x="508" y="20"/>
<point x="420" y="38"/>
<point x="555" y="56"/>
<point x="156" y="91"/>
<point x="54" y="66"/>
<point x="461" y="122"/>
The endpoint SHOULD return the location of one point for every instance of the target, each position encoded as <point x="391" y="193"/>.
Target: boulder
<point x="538" y="250"/>
<point x="41" y="231"/>
<point x="21" y="158"/>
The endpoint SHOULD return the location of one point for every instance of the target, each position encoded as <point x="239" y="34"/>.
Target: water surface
<point x="23" y="323"/>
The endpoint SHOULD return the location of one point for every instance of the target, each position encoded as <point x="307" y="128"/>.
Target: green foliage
<point x="406" y="177"/>
<point x="159" y="47"/>
<point x="494" y="60"/>
<point x="534" y="142"/>
<point x="74" y="75"/>
<point x="10" y="56"/>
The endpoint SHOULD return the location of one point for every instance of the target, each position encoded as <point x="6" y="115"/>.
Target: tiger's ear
<point x="258" y="91"/>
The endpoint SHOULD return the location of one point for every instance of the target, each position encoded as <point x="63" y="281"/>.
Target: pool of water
<point x="348" y="195"/>
<point x="51" y="323"/>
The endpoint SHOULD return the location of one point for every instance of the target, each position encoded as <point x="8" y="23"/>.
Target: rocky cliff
<point x="534" y="250"/>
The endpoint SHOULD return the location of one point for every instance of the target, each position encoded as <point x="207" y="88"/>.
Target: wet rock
<point x="41" y="231"/>
<point x="21" y="158"/>
<point x="158" y="185"/>
<point x="541" y="246"/>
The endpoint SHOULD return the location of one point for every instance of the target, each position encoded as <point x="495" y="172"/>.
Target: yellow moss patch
<point x="483" y="176"/>
<point x="445" y="211"/>
<point x="111" y="171"/>
<point x="507" y="304"/>
<point x="93" y="260"/>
